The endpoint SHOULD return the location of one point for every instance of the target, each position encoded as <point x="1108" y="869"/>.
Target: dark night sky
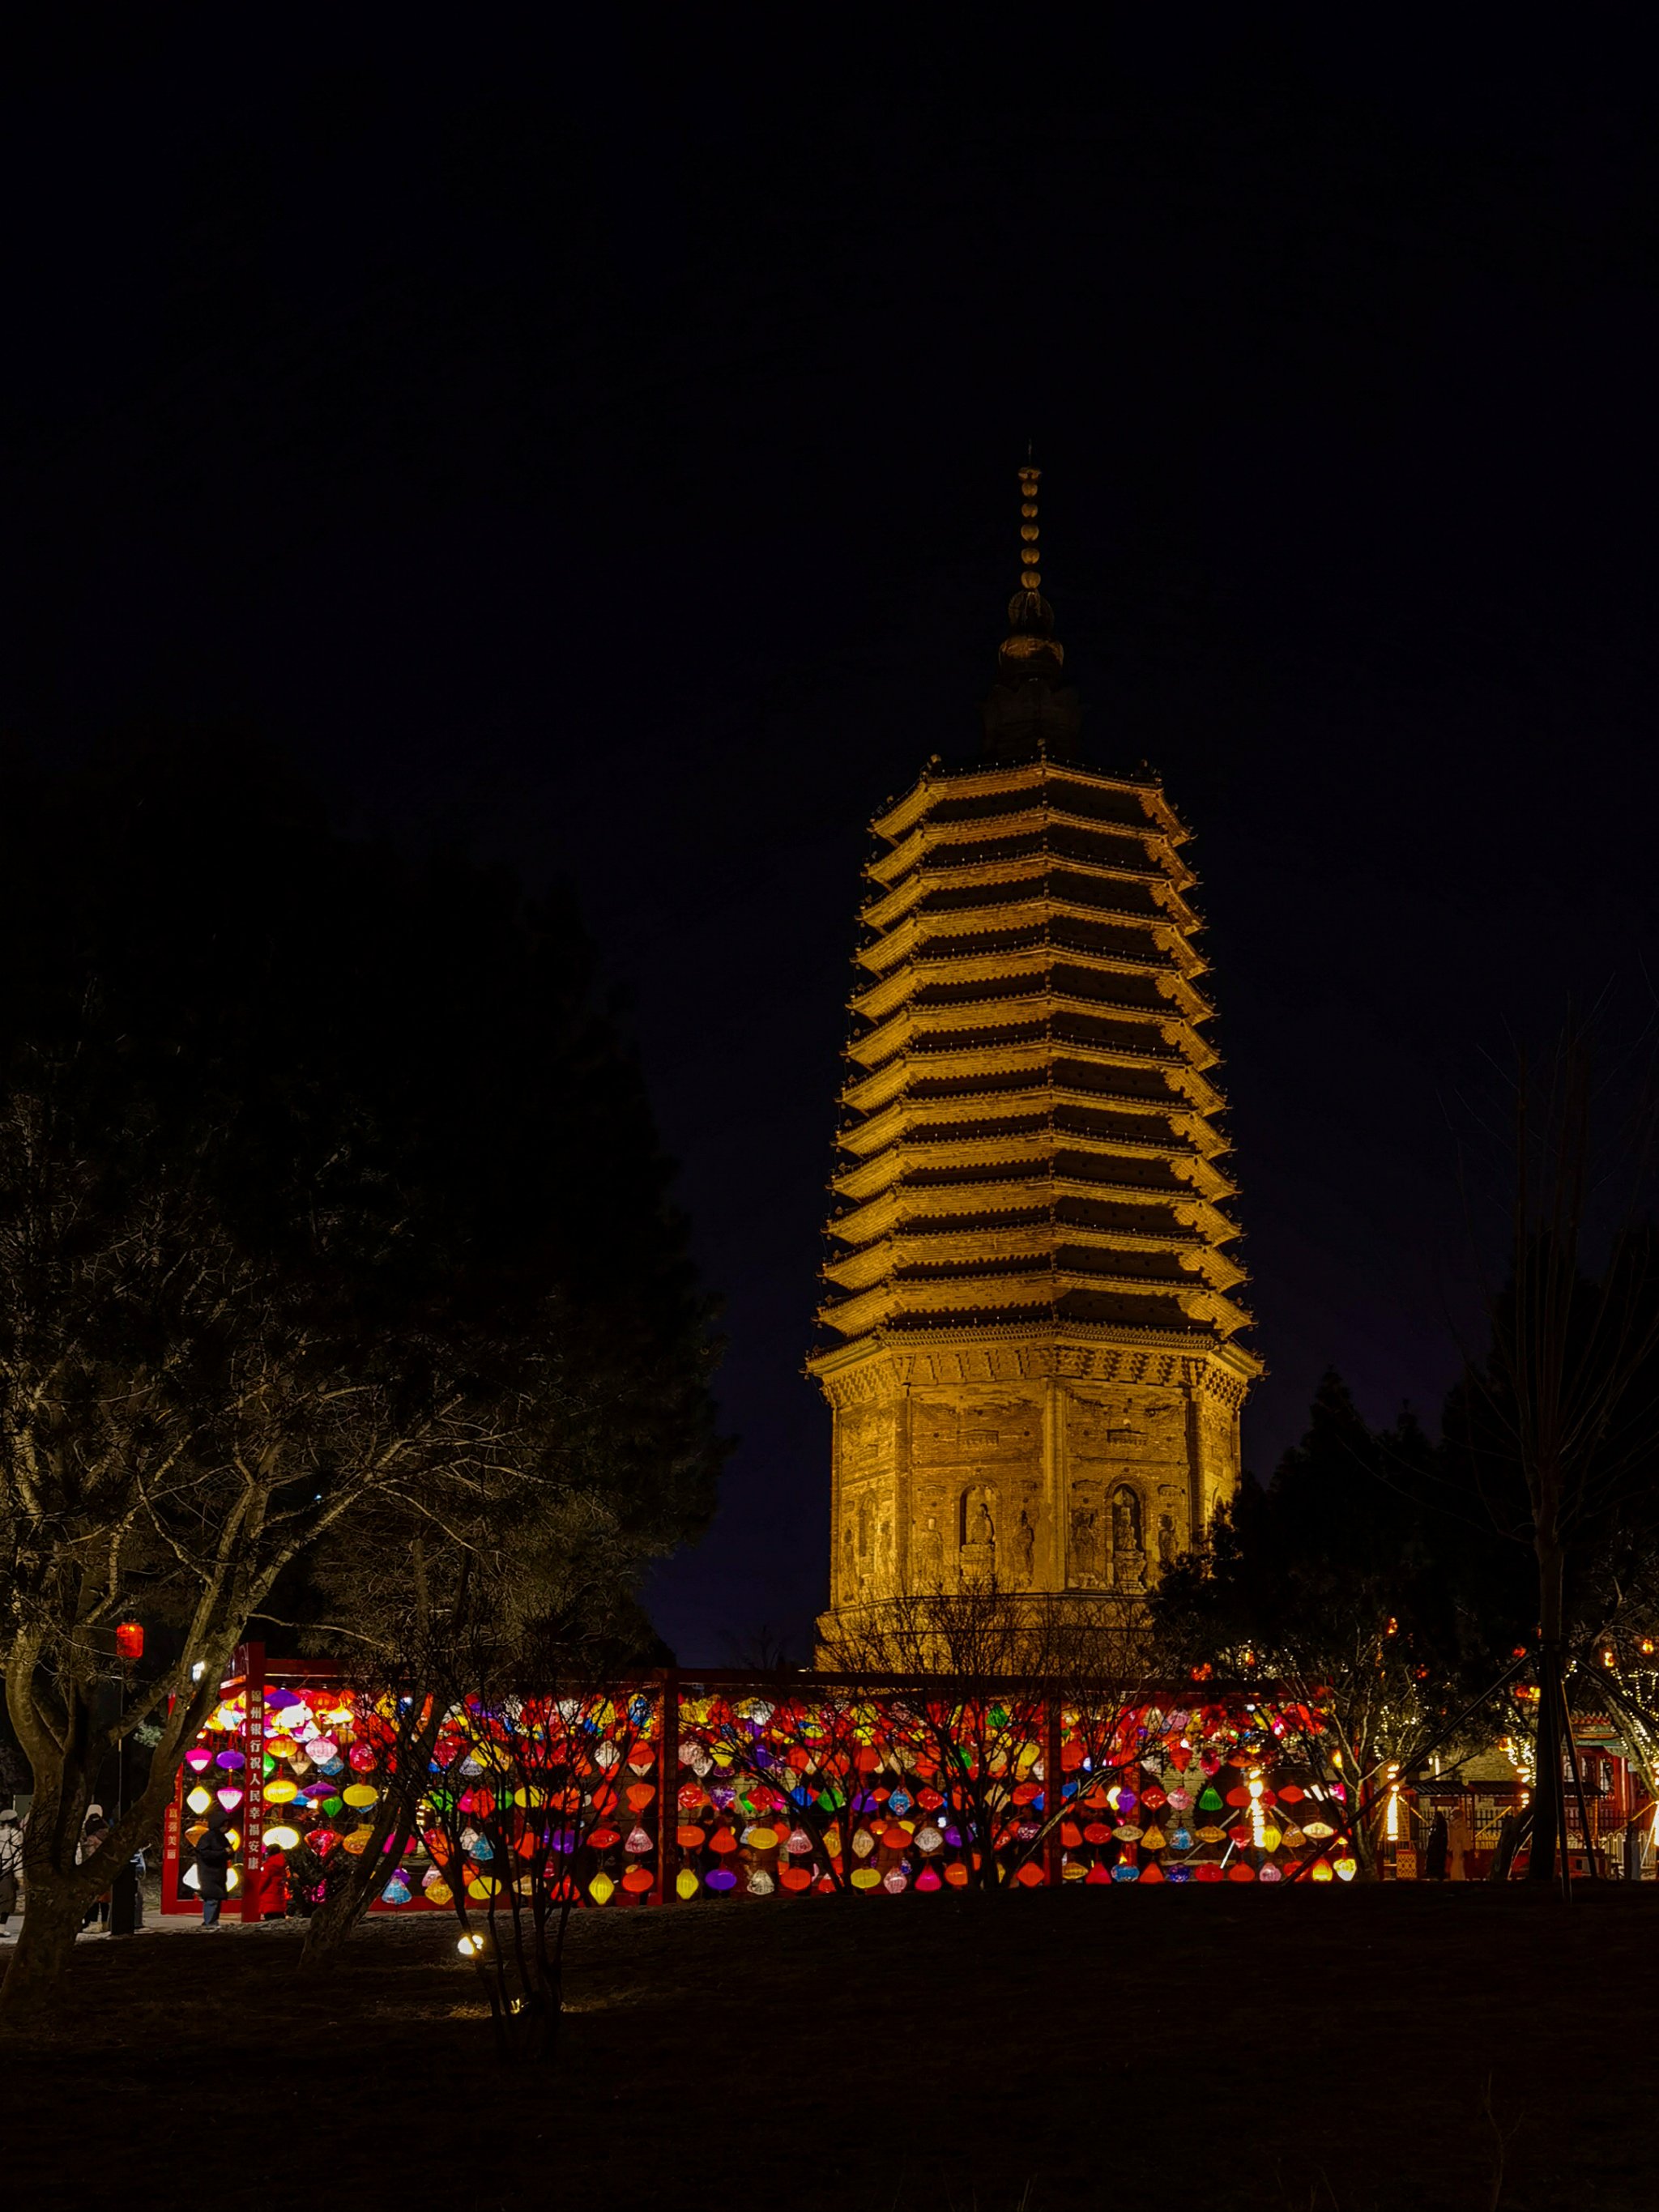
<point x="608" y="452"/>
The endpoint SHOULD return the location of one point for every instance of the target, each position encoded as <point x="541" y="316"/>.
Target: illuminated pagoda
<point x="1034" y="1367"/>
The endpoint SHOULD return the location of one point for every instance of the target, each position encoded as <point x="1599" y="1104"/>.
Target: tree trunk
<point x="348" y="1900"/>
<point x="59" y="1888"/>
<point x="343" y="1907"/>
<point x="1364" y="1820"/>
<point x="53" y="1910"/>
<point x="403" y="1787"/>
<point x="1549" y="1825"/>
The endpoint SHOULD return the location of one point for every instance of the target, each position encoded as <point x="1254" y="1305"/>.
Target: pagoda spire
<point x="1030" y="646"/>
<point x="1025" y="714"/>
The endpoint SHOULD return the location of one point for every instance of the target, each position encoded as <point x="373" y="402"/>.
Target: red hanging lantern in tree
<point x="130" y="1639"/>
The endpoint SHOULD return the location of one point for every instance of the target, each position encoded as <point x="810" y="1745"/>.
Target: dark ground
<point x="1306" y="2048"/>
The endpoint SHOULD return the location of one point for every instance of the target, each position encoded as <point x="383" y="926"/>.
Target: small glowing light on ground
<point x="470" y="1946"/>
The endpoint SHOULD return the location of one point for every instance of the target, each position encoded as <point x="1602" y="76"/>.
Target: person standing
<point x="1459" y="1842"/>
<point x="273" y="1886"/>
<point x="93" y="1832"/>
<point x="11" y="1863"/>
<point x="213" y="1870"/>
<point x="127" y="1898"/>
<point x="1434" y="1859"/>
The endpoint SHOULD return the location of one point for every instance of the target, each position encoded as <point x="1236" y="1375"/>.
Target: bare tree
<point x="176" y="1428"/>
<point x="330" y="1216"/>
<point x="1560" y="1420"/>
<point x="776" y="1737"/>
<point x="492" y="1586"/>
<point x="535" y="1800"/>
<point x="980" y="1674"/>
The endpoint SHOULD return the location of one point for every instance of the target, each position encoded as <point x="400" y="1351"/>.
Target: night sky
<point x="607" y="453"/>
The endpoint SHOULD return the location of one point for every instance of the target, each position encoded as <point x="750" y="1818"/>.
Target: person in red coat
<point x="273" y="1887"/>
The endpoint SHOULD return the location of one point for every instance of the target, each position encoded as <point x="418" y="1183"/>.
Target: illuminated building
<point x="1034" y="1367"/>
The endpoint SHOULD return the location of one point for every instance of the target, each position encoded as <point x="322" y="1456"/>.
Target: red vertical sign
<point x="1053" y="1787"/>
<point x="668" y="1786"/>
<point x="253" y="1659"/>
<point x="172" y="1838"/>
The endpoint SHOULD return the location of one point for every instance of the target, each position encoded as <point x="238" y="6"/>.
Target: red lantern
<point x="130" y="1639"/>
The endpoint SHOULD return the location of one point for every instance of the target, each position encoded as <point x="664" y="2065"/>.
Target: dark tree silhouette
<point x="330" y="1212"/>
<point x="1555" y="1429"/>
<point x="1340" y="1580"/>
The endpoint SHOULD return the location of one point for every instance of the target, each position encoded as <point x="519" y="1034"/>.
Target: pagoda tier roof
<point x="907" y="1207"/>
<point x="938" y="1111"/>
<point x="1041" y="1289"/>
<point x="1014" y="1007"/>
<point x="1068" y="1334"/>
<point x="994" y="1168"/>
<point x="938" y="786"/>
<point x="1169" y="1207"/>
<point x="1072" y="1319"/>
<point x="1155" y="988"/>
<point x="927" y="1155"/>
<point x="1116" y="891"/>
<point x="1094" y="1127"/>
<point x="968" y="1252"/>
<point x="1123" y="1031"/>
<point x="1156" y="855"/>
<point x="962" y="1070"/>
<point x="1149" y="941"/>
<point x="1120" y="990"/>
<point x="943" y="933"/>
<point x="1134" y="1181"/>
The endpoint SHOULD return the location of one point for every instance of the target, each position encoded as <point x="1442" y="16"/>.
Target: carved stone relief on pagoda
<point x="977" y="1488"/>
<point x="1119" y="1533"/>
<point x="969" y="1432"/>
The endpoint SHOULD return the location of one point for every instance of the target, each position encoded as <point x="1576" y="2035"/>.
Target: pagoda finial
<point x="1030" y="647"/>
<point x="1026" y="712"/>
<point x="1029" y="556"/>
